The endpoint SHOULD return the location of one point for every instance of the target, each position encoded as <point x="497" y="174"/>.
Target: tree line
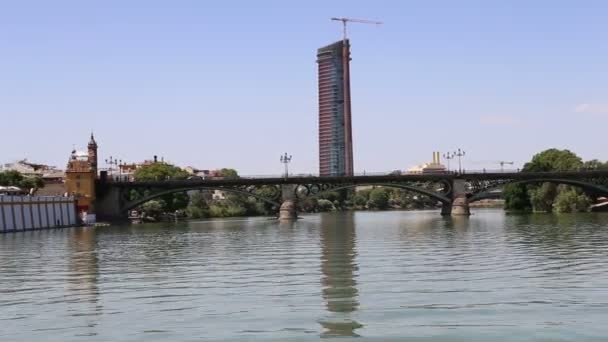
<point x="15" y="178"/>
<point x="549" y="197"/>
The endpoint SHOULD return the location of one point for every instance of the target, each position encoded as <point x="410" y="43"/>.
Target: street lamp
<point x="286" y="159"/>
<point x="111" y="161"/>
<point x="448" y="156"/>
<point x="459" y="154"/>
<point x="117" y="164"/>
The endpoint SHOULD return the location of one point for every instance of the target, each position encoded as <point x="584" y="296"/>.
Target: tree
<point x="270" y="192"/>
<point x="153" y="208"/>
<point x="570" y="200"/>
<point x="308" y="205"/>
<point x="325" y="205"/>
<point x="15" y="178"/>
<point x="360" y="200"/>
<point x="378" y="198"/>
<point x="229" y="173"/>
<point x="159" y="172"/>
<point x="595" y="165"/>
<point x="331" y="196"/>
<point x="541" y="198"/>
<point x="10" y="178"/>
<point x="554" y="160"/>
<point x="516" y="197"/>
<point x="198" y="207"/>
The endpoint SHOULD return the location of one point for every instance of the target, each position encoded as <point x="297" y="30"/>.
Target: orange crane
<point x="346" y="20"/>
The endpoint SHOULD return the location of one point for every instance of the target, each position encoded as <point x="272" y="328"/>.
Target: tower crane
<point x="503" y="163"/>
<point x="346" y="20"/>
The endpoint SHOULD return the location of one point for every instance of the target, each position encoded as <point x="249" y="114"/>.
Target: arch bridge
<point x="454" y="190"/>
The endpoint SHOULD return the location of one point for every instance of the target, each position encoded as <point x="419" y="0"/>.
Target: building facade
<point x="80" y="176"/>
<point x="335" y="124"/>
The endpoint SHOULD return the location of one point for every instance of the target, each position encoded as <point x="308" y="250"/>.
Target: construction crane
<point x="503" y="163"/>
<point x="362" y="21"/>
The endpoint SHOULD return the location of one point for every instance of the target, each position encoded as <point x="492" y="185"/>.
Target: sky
<point x="231" y="83"/>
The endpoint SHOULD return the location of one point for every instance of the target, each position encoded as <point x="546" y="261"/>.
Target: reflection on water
<point x="373" y="276"/>
<point x="83" y="273"/>
<point x="338" y="265"/>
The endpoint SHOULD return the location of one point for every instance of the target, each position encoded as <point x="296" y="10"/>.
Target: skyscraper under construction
<point x="335" y="127"/>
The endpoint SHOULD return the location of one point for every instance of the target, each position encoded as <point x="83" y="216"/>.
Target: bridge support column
<point x="107" y="206"/>
<point x="288" y="210"/>
<point x="446" y="209"/>
<point x="460" y="202"/>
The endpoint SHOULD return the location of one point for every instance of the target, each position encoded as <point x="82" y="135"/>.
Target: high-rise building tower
<point x="335" y="127"/>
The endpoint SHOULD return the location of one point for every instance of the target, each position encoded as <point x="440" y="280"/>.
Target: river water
<point x="369" y="276"/>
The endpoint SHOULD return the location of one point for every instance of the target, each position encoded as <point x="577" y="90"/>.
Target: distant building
<point x="205" y="174"/>
<point x="335" y="127"/>
<point x="433" y="167"/>
<point x="28" y="169"/>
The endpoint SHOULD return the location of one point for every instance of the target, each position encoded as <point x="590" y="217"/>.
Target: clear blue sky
<point x="233" y="83"/>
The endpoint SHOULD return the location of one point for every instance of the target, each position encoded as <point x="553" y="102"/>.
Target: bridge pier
<point x="460" y="202"/>
<point x="460" y="206"/>
<point x="107" y="206"/>
<point x="288" y="210"/>
<point x="446" y="209"/>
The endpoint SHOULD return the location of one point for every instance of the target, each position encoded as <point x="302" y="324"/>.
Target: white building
<point x="433" y="167"/>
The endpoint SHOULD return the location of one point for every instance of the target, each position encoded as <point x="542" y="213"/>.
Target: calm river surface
<point x="377" y="276"/>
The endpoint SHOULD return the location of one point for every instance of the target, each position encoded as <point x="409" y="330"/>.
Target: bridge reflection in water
<point x="339" y="273"/>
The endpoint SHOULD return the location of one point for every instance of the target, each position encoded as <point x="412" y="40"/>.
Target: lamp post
<point x="286" y="159"/>
<point x="460" y="153"/>
<point x="111" y="161"/>
<point x="116" y="162"/>
<point x="448" y="156"/>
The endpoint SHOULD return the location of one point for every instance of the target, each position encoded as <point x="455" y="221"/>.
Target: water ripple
<point x="375" y="276"/>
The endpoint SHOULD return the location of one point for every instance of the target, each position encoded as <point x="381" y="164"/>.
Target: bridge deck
<point x="363" y="179"/>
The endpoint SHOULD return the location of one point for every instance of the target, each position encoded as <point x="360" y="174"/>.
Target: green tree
<point x="153" y="208"/>
<point x="378" y="198"/>
<point x="331" y="196"/>
<point x="325" y="205"/>
<point x="229" y="173"/>
<point x="308" y="205"/>
<point x="14" y="178"/>
<point x="269" y="192"/>
<point x="10" y="178"/>
<point x="595" y="164"/>
<point x="198" y="207"/>
<point x="159" y="172"/>
<point x="516" y="197"/>
<point x="541" y="198"/>
<point x="570" y="200"/>
<point x="554" y="160"/>
<point x="360" y="200"/>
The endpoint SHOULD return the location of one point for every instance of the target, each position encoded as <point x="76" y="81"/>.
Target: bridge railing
<point x="129" y="177"/>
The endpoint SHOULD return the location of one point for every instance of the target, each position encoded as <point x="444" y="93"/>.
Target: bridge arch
<point x="434" y="195"/>
<point x="590" y="187"/>
<point x="135" y="203"/>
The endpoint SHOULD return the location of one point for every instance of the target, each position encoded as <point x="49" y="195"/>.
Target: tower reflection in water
<point x="83" y="278"/>
<point x="339" y="272"/>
